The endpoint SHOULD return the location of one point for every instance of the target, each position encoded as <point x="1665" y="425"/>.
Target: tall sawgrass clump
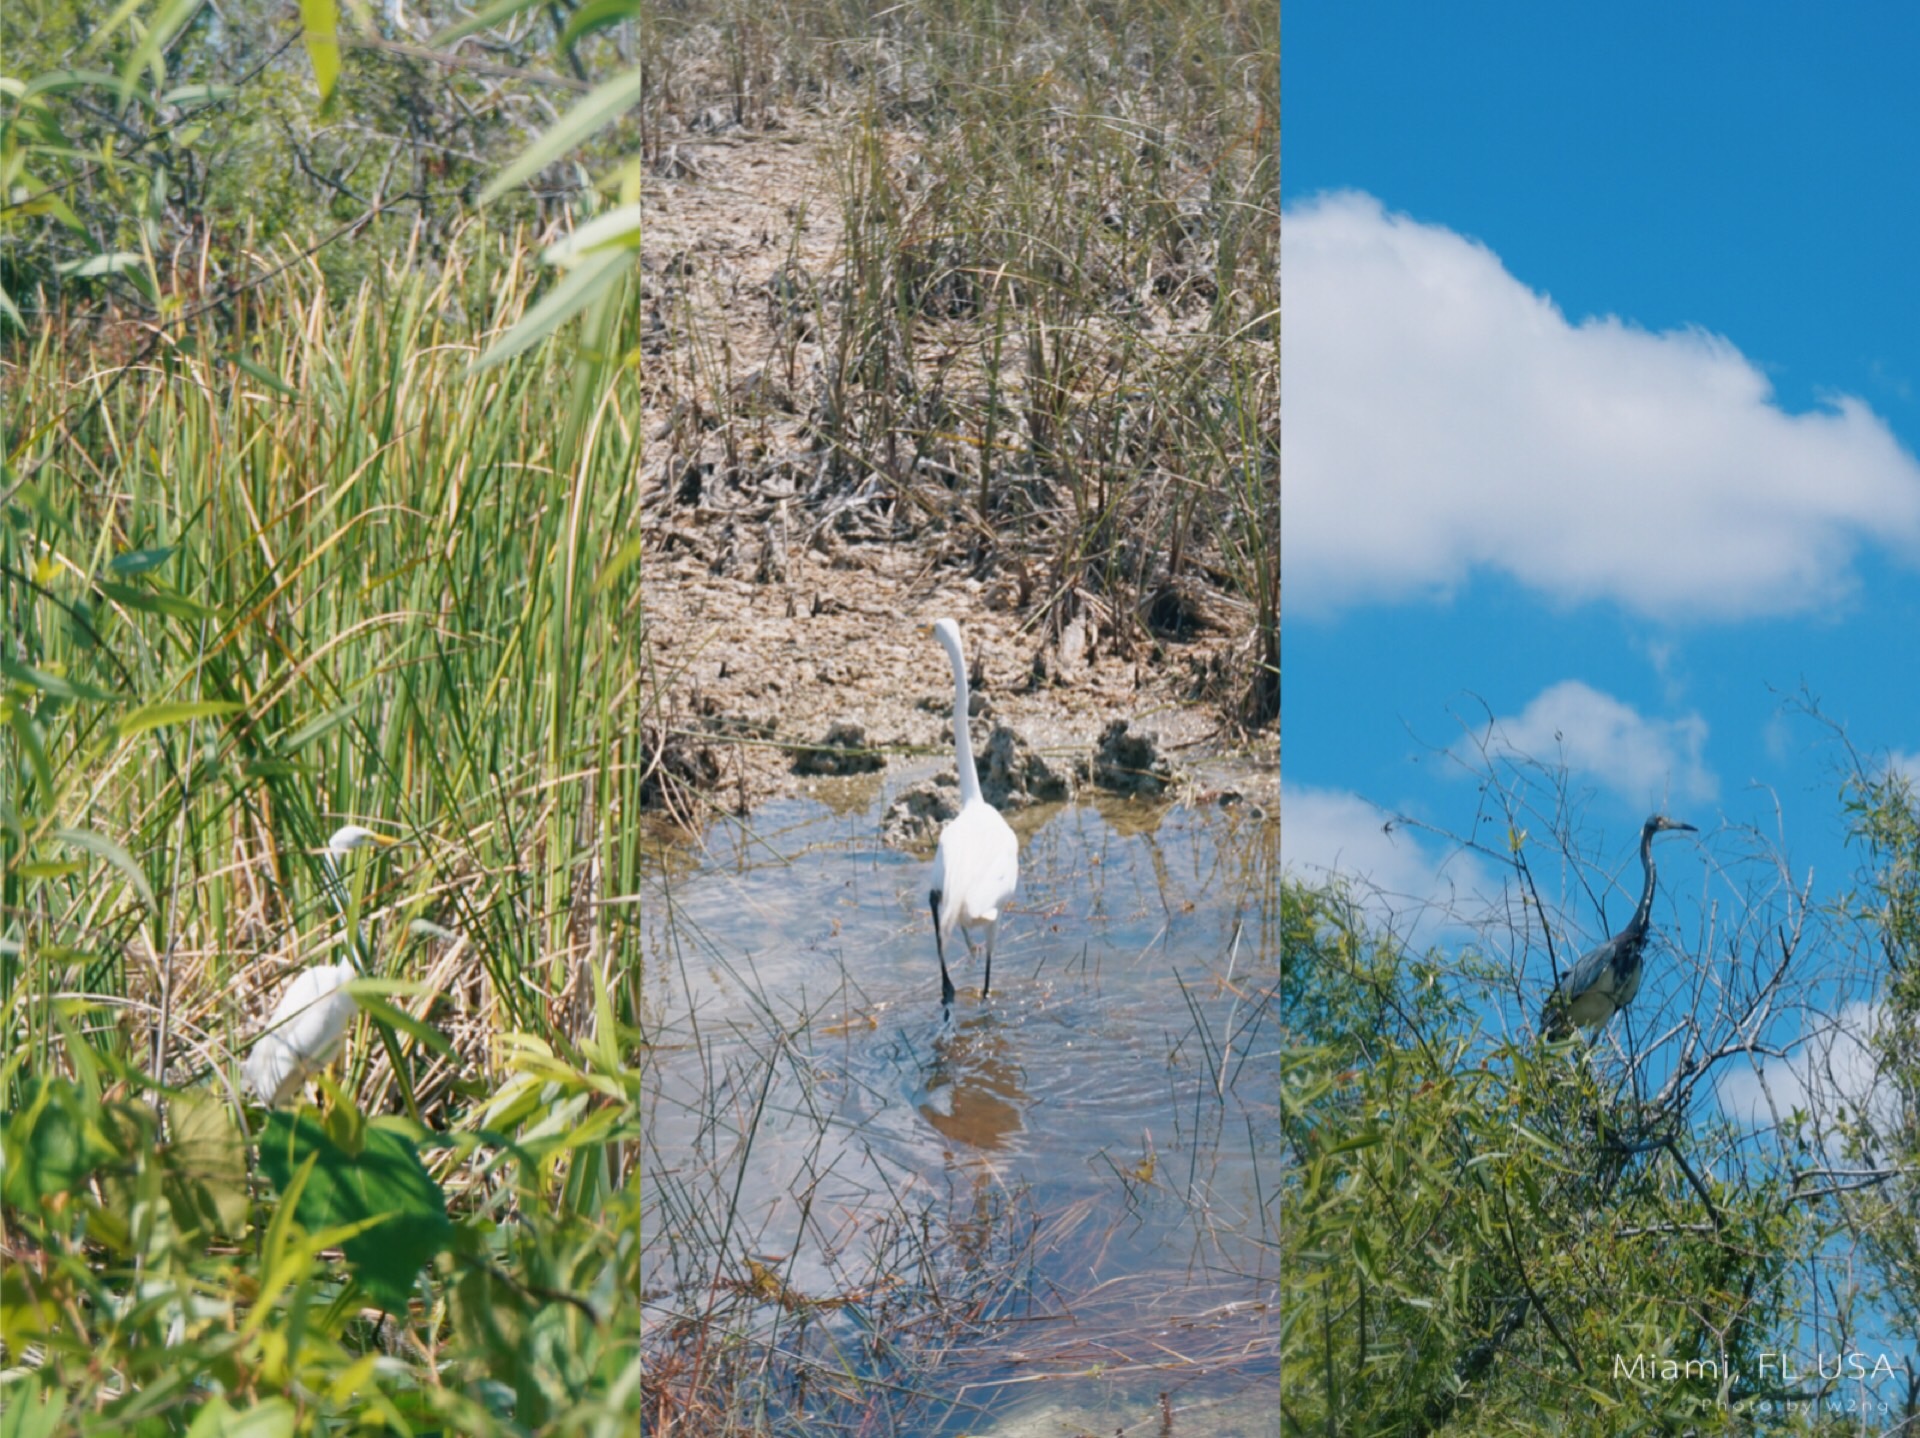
<point x="301" y="567"/>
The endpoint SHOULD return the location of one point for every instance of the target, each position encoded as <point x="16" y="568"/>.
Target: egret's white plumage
<point x="313" y="1012"/>
<point x="978" y="863"/>
<point x="304" y="1033"/>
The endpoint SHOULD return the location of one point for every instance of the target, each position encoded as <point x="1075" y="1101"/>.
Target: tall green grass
<point x="303" y="568"/>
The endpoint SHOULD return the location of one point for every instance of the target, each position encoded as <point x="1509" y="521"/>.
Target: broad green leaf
<point x="597" y="110"/>
<point x="105" y="848"/>
<point x="566" y="299"/>
<point x="52" y="1143"/>
<point x="206" y="1165"/>
<point x="384" y="1186"/>
<point x="320" y="27"/>
<point x="156" y="716"/>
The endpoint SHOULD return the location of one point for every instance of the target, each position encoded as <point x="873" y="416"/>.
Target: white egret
<point x="978" y="864"/>
<point x="312" y="1015"/>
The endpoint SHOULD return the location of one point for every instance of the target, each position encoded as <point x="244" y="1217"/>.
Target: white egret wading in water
<point x="978" y="864"/>
<point x="1605" y="979"/>
<point x="313" y="1013"/>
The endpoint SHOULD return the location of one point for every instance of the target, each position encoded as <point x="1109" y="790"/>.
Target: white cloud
<point x="1442" y="417"/>
<point x="1607" y="741"/>
<point x="1907" y="765"/>
<point x="1831" y="1068"/>
<point x="1414" y="882"/>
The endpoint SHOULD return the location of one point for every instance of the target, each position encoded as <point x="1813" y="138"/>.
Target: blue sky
<point x="1602" y="408"/>
<point x="1603" y="369"/>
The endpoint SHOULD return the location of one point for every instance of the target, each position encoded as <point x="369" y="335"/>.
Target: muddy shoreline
<point x="755" y="671"/>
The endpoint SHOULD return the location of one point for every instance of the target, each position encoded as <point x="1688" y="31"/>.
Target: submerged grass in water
<point x="855" y="1214"/>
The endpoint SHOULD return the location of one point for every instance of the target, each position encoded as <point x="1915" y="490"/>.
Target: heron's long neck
<point x="962" y="740"/>
<point x="342" y="903"/>
<point x="1643" y="915"/>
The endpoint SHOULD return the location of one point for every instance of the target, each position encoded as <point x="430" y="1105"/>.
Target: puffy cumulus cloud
<point x="1833" y="1068"/>
<point x="1412" y="882"/>
<point x="1906" y="765"/>
<point x="1442" y="417"/>
<point x="1606" y="741"/>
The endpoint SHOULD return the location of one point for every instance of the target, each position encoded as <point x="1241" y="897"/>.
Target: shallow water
<point x="1037" y="1218"/>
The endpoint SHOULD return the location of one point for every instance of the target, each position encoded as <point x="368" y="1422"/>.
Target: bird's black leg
<point x="986" y="974"/>
<point x="940" y="948"/>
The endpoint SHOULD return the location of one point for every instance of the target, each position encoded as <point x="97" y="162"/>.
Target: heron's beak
<point x="352" y="837"/>
<point x="1688" y="827"/>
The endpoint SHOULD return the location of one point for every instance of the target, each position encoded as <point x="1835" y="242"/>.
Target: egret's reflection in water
<point x="1076" y="1177"/>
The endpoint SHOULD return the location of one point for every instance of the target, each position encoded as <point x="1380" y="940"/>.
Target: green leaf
<point x="55" y="82"/>
<point x="274" y="769"/>
<point x="266" y="376"/>
<point x="557" y="306"/>
<point x="597" y="15"/>
<point x="622" y="560"/>
<point x="315" y="727"/>
<point x="51" y="869"/>
<point x="424" y="1032"/>
<point x="267" y="1418"/>
<point x="105" y="848"/>
<point x="618" y="229"/>
<point x="156" y="716"/>
<point x="139" y="561"/>
<point x="28" y="733"/>
<point x="206" y="1166"/>
<point x="320" y="26"/>
<point x="598" y="109"/>
<point x="487" y="15"/>
<point x="169" y="20"/>
<point x="156" y="601"/>
<point x="112" y="264"/>
<point x="31" y="1412"/>
<point x="103" y="32"/>
<point x="199" y="94"/>
<point x="51" y="1144"/>
<point x="385" y="1183"/>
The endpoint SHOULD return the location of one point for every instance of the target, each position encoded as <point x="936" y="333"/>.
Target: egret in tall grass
<point x="312" y="1015"/>
<point x="978" y="864"/>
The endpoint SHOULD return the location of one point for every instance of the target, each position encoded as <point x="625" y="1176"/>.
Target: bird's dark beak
<point x="1688" y="827"/>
